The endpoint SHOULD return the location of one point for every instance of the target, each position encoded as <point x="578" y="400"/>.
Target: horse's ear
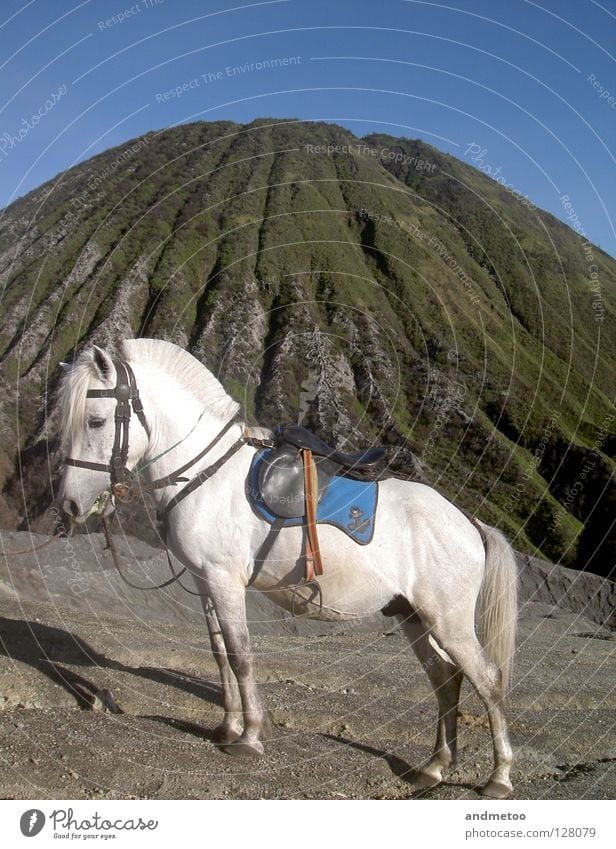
<point x="66" y="367"/>
<point x="103" y="364"/>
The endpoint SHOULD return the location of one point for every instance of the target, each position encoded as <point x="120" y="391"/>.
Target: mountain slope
<point x="425" y="305"/>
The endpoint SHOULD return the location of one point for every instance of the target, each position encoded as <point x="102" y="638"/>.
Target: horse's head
<point x="98" y="450"/>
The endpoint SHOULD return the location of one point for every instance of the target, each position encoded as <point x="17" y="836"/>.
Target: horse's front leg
<point x="231" y="726"/>
<point x="229" y="600"/>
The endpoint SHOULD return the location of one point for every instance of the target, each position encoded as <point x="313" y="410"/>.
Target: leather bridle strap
<point x="201" y="477"/>
<point x="119" y="453"/>
<point x="174" y="477"/>
<point x="86" y="464"/>
<point x="135" y="399"/>
<point x="125" y="393"/>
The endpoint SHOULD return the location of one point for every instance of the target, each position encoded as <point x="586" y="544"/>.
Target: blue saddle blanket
<point x="347" y="504"/>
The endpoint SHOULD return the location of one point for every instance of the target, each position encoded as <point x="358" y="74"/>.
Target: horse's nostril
<point x="70" y="508"/>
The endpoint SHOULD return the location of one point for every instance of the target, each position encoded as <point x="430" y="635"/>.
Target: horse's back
<point x="438" y="549"/>
<point x="421" y="513"/>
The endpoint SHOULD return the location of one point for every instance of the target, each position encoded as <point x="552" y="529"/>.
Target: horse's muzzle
<point x="103" y="506"/>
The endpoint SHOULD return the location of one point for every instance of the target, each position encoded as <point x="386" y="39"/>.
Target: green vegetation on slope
<point x="437" y="312"/>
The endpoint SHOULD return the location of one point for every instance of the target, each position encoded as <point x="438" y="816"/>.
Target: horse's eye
<point x="93" y="422"/>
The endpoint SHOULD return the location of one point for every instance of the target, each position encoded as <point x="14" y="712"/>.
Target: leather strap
<point x="127" y="397"/>
<point x="201" y="478"/>
<point x="265" y="548"/>
<point x="136" y="400"/>
<point x="175" y="477"/>
<point x="86" y="464"/>
<point x="207" y="448"/>
<point x="119" y="452"/>
<point x="114" y="553"/>
<point x="314" y="564"/>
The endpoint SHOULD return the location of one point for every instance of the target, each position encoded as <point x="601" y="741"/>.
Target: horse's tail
<point x="498" y="602"/>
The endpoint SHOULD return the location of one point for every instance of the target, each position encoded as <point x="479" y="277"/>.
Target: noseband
<point x="127" y="395"/>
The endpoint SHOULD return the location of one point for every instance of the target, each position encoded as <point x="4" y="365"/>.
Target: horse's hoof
<point x="496" y="790"/>
<point x="242" y="749"/>
<point x="425" y="780"/>
<point x="224" y="735"/>
<point x="266" y="725"/>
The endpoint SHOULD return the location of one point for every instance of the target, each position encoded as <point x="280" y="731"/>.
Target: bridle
<point x="127" y="399"/>
<point x="122" y="479"/>
<point x="127" y="396"/>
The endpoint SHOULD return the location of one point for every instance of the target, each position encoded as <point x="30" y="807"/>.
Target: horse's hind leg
<point x="465" y="649"/>
<point x="446" y="680"/>
<point x="231" y="727"/>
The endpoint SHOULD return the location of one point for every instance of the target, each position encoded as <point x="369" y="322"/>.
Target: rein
<point x="127" y="396"/>
<point x="114" y="553"/>
<point x="174" y="477"/>
<point x="162" y="516"/>
<point x="34" y="548"/>
<point x="201" y="477"/>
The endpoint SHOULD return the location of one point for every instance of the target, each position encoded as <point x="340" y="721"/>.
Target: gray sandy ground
<point x="353" y="711"/>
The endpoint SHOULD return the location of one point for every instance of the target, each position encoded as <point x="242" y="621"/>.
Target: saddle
<point x="295" y="475"/>
<point x="304" y="439"/>
<point x="285" y="476"/>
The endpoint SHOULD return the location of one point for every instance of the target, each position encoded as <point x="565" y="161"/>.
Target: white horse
<point x="427" y="563"/>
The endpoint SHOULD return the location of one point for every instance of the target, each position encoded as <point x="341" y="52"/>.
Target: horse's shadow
<point x="51" y="650"/>
<point x="399" y="768"/>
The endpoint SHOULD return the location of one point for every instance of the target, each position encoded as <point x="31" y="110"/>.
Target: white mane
<point x="189" y="373"/>
<point x="72" y="396"/>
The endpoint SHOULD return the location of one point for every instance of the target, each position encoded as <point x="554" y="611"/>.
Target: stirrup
<point x="306" y="583"/>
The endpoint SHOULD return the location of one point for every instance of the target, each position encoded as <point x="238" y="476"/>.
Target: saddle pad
<point x="349" y="505"/>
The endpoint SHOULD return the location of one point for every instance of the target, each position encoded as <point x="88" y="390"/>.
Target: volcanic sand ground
<point x="353" y="714"/>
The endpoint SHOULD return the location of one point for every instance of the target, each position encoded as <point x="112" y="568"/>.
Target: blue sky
<point x="529" y="82"/>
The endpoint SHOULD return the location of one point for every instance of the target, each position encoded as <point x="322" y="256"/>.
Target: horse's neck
<point x="176" y="417"/>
